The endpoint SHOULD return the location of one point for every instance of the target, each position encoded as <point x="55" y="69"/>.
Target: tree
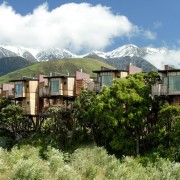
<point x="83" y="120"/>
<point x="121" y="113"/>
<point x="169" y="129"/>
<point x="11" y="116"/>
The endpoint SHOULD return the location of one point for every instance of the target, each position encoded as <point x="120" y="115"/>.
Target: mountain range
<point x="57" y="53"/>
<point x="119" y="57"/>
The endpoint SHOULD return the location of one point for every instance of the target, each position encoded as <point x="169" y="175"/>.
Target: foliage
<point x="11" y="117"/>
<point x="169" y="131"/>
<point x="84" y="163"/>
<point x="120" y="112"/>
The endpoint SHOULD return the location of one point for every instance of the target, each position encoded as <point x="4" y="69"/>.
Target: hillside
<point x="64" y="66"/>
<point x="9" y="64"/>
<point x="122" y="62"/>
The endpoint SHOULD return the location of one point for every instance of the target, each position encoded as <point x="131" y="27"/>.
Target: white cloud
<point x="149" y="35"/>
<point x="171" y="57"/>
<point x="76" y="27"/>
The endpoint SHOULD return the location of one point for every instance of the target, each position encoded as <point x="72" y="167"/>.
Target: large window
<point x="106" y="80"/>
<point x="54" y="85"/>
<point x="18" y="88"/>
<point x="174" y="84"/>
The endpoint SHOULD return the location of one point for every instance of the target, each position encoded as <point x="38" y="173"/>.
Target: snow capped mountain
<point x="52" y="54"/>
<point x="97" y="53"/>
<point x="128" y="50"/>
<point x="19" y="51"/>
<point x="149" y="50"/>
<point x="6" y="53"/>
<point x="134" y="51"/>
<point x="156" y="56"/>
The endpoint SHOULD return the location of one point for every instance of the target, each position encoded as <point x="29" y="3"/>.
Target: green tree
<point x="169" y="130"/>
<point x="121" y="113"/>
<point x="11" y="116"/>
<point x="60" y="123"/>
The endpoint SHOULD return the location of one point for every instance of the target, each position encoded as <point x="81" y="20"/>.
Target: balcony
<point x="10" y="94"/>
<point x="160" y="90"/>
<point x="94" y="87"/>
<point x="44" y="92"/>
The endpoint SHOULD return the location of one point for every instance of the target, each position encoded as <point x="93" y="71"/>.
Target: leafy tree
<point x="60" y="123"/>
<point x="81" y="107"/>
<point x="11" y="116"/>
<point x="121" y="113"/>
<point x="169" y="130"/>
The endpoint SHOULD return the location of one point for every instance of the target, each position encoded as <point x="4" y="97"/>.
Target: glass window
<point x="106" y="80"/>
<point x="18" y="88"/>
<point x="174" y="83"/>
<point x="54" y="85"/>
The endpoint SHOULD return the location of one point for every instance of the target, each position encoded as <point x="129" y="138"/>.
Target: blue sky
<point x="143" y="23"/>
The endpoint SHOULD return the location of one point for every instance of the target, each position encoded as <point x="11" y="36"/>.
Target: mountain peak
<point x="126" y="50"/>
<point x="53" y="54"/>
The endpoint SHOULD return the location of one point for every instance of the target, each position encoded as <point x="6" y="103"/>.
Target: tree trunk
<point x="137" y="143"/>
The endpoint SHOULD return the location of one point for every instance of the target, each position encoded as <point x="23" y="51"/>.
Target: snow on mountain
<point x="153" y="55"/>
<point x="98" y="53"/>
<point x="126" y="50"/>
<point x="6" y="53"/>
<point x="134" y="51"/>
<point x="52" y="54"/>
<point x="149" y="50"/>
<point x="20" y="51"/>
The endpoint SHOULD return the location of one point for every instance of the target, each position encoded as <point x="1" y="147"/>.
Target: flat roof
<point x="24" y="79"/>
<point x="170" y="70"/>
<point x="110" y="70"/>
<point x="61" y="76"/>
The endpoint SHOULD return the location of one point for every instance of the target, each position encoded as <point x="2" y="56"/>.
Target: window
<point x="106" y="80"/>
<point x="174" y="84"/>
<point x="18" y="88"/>
<point x="54" y="85"/>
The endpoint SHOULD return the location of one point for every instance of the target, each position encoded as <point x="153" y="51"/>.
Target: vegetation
<point x="126" y="120"/>
<point x="84" y="163"/>
<point x="63" y="66"/>
<point x="123" y="120"/>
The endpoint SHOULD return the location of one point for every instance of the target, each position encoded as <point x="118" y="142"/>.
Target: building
<point x="7" y="90"/>
<point x="106" y="76"/>
<point x="169" y="87"/>
<point x="25" y="94"/>
<point x="36" y="96"/>
<point x="61" y="89"/>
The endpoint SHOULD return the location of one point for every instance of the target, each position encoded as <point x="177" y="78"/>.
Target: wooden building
<point x="106" y="76"/>
<point x="169" y="87"/>
<point x="26" y="95"/>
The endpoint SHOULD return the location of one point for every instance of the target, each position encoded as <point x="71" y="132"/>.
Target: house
<point x="7" y="90"/>
<point x="106" y="76"/>
<point x="169" y="87"/>
<point x="57" y="89"/>
<point x="61" y="89"/>
<point x="36" y="96"/>
<point x="25" y="94"/>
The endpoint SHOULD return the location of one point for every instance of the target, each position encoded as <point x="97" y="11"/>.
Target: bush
<point x="85" y="163"/>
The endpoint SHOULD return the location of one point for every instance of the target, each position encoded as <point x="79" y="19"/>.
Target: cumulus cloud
<point x="171" y="57"/>
<point x="76" y="27"/>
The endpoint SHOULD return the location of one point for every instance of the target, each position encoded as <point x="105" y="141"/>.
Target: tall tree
<point x="121" y="113"/>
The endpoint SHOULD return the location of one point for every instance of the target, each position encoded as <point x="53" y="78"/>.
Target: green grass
<point x="64" y="66"/>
